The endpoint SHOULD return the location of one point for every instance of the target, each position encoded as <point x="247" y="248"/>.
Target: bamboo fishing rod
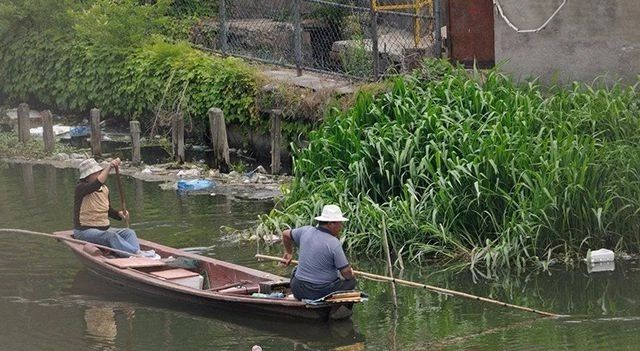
<point x="432" y="288"/>
<point x="77" y="241"/>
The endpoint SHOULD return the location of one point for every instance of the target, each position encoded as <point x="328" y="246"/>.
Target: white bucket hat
<point x="331" y="213"/>
<point x="89" y="167"/>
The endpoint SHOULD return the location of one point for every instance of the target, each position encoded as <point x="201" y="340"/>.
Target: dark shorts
<point x="305" y="290"/>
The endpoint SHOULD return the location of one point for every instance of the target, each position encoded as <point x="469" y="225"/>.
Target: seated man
<point x="320" y="257"/>
<point x="92" y="209"/>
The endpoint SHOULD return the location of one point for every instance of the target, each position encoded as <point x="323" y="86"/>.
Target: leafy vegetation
<point x="124" y="57"/>
<point x="34" y="148"/>
<point x="474" y="167"/>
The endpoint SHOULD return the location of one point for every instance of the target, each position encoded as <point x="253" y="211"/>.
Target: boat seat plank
<point x="134" y="262"/>
<point x="176" y="273"/>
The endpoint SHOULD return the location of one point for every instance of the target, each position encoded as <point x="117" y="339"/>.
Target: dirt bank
<point x="253" y="185"/>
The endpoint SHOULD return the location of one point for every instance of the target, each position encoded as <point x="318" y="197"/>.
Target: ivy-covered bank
<point x="477" y="168"/>
<point x="70" y="75"/>
<point x="132" y="60"/>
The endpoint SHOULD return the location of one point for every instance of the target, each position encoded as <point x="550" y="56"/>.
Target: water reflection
<point x="104" y="300"/>
<point x="27" y="180"/>
<point x="101" y="326"/>
<point x="51" y="183"/>
<point x="46" y="304"/>
<point x="138" y="186"/>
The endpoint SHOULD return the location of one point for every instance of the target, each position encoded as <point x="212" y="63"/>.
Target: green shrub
<point x="476" y="167"/>
<point x="34" y="148"/>
<point x="74" y="75"/>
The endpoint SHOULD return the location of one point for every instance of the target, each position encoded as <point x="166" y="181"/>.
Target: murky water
<point x="48" y="301"/>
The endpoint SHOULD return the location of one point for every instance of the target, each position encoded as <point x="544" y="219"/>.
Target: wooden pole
<point x="432" y="288"/>
<point x="29" y="232"/>
<point x="123" y="203"/>
<point x="387" y="252"/>
<point x="218" y="129"/>
<point x="24" y="123"/>
<point x="96" y="136"/>
<point x="47" y="131"/>
<point x="134" y="129"/>
<point x="276" y="140"/>
<point x="177" y="137"/>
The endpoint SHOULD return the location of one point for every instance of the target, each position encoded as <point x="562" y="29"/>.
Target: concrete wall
<point x="586" y="39"/>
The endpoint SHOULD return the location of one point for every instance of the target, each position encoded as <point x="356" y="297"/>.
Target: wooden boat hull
<point x="145" y="283"/>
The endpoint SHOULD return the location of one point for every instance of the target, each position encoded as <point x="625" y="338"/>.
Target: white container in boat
<point x="182" y="277"/>
<point x="602" y="255"/>
<point x="192" y="282"/>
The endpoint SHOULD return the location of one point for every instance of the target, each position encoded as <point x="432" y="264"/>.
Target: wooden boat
<point x="200" y="280"/>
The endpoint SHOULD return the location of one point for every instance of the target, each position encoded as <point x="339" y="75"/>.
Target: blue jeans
<point x="123" y="239"/>
<point x="305" y="290"/>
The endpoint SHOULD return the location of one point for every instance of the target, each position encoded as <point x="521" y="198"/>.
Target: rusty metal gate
<point x="470" y="32"/>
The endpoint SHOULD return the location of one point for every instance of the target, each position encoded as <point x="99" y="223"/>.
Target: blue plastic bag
<point x="80" y="131"/>
<point x="195" y="184"/>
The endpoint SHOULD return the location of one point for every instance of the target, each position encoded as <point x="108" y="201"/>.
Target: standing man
<point x="92" y="209"/>
<point x="320" y="257"/>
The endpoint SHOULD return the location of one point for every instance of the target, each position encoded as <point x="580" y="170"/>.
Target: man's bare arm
<point x="347" y="272"/>
<point x="287" y="241"/>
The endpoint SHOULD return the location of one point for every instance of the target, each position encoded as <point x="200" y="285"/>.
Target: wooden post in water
<point x="177" y="137"/>
<point x="96" y="136"/>
<point x="134" y="129"/>
<point x="218" y="129"/>
<point x="276" y="140"/>
<point x="23" y="123"/>
<point x="47" y="131"/>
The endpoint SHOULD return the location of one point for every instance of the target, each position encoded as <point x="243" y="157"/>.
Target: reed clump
<point x="476" y="167"/>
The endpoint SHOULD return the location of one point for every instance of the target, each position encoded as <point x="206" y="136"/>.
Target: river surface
<point x="48" y="301"/>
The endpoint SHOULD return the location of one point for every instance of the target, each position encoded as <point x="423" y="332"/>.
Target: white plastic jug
<point x="602" y="255"/>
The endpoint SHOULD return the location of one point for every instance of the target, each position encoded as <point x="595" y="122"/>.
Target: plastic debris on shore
<point x="188" y="173"/>
<point x="57" y="130"/>
<point x="195" y="184"/>
<point x="80" y="131"/>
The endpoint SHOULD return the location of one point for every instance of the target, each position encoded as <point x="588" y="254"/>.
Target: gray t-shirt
<point x="320" y="255"/>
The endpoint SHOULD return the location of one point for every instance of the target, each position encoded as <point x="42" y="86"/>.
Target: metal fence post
<point x="374" y="40"/>
<point x="223" y="26"/>
<point x="437" y="45"/>
<point x="297" y="36"/>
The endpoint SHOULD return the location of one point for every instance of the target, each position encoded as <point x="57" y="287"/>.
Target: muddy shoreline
<point x="253" y="185"/>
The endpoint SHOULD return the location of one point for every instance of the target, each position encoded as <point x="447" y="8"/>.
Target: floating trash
<point x="195" y="184"/>
<point x="602" y="255"/>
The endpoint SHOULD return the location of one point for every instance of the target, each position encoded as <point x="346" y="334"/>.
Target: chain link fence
<point x="364" y="39"/>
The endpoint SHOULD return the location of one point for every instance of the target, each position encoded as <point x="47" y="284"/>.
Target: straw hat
<point x="331" y="213"/>
<point x="89" y="167"/>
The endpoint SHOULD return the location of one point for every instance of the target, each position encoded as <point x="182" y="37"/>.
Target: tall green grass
<point x="475" y="167"/>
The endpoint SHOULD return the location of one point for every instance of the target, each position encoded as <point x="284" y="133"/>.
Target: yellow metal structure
<point x="415" y="6"/>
